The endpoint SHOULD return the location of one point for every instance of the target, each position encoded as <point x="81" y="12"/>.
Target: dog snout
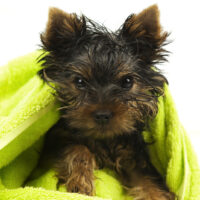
<point x="102" y="116"/>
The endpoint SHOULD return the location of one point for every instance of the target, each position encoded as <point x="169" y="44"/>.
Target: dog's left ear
<point x="143" y="33"/>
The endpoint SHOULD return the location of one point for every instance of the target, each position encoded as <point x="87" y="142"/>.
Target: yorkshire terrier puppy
<point x="108" y="87"/>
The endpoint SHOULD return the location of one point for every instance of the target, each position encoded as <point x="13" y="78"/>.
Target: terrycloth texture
<point x="28" y="110"/>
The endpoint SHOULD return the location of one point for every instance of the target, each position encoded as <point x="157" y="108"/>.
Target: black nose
<point x="102" y="116"/>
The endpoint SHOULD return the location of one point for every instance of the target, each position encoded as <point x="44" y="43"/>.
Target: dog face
<point x="106" y="81"/>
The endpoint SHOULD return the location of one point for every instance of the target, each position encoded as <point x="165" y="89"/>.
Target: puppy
<point x="108" y="86"/>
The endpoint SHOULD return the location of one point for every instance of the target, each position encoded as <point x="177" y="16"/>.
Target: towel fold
<point x="28" y="109"/>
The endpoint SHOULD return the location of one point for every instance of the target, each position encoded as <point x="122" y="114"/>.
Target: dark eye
<point x="127" y="82"/>
<point x="80" y="83"/>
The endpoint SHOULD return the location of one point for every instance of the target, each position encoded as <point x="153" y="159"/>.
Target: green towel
<point x="28" y="109"/>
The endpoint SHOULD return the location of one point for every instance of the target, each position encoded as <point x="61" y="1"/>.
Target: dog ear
<point x="62" y="31"/>
<point x="144" y="34"/>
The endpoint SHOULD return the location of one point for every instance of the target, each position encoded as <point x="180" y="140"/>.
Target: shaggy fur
<point x="108" y="87"/>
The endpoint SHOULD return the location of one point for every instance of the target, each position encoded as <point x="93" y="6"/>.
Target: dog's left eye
<point x="127" y="82"/>
<point x="80" y="83"/>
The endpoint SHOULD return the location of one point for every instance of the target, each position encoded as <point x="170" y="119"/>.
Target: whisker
<point x="63" y="107"/>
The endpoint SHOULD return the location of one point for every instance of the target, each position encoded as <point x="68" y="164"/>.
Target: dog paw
<point x="80" y="185"/>
<point x="168" y="196"/>
<point x="163" y="196"/>
<point x="140" y="194"/>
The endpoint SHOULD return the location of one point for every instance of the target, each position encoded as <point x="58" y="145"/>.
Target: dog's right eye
<point x="80" y="83"/>
<point x="127" y="82"/>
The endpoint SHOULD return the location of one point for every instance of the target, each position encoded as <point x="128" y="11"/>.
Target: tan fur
<point x="76" y="170"/>
<point x="148" y="190"/>
<point x="122" y="120"/>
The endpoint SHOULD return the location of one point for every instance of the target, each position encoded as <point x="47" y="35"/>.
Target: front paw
<point x="81" y="185"/>
<point x="140" y="193"/>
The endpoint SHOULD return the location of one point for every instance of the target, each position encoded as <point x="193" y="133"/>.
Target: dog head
<point x="107" y="82"/>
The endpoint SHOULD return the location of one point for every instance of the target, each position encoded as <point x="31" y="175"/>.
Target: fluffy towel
<point x="28" y="110"/>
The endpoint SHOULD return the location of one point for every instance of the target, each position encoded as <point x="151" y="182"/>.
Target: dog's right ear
<point x="63" y="30"/>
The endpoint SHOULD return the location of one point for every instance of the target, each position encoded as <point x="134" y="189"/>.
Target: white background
<point x="21" y="22"/>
